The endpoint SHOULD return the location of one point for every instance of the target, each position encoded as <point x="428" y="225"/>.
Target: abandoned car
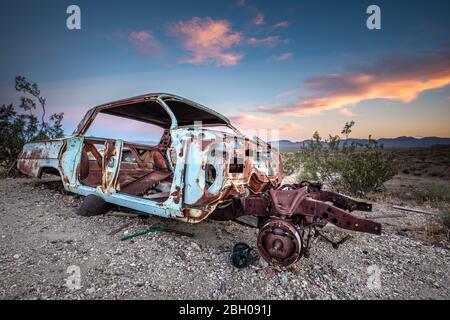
<point x="193" y="173"/>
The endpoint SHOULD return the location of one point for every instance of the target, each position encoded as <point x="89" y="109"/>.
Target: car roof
<point x="186" y="112"/>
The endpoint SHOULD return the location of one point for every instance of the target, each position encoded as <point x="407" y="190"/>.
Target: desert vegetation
<point x="24" y="123"/>
<point x="347" y="167"/>
<point x="407" y="177"/>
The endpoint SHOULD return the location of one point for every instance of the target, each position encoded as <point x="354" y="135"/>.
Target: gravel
<point x="43" y="241"/>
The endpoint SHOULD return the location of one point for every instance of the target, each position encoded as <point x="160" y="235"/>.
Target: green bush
<point x="346" y="166"/>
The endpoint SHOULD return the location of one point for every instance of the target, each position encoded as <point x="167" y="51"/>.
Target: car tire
<point x="92" y="206"/>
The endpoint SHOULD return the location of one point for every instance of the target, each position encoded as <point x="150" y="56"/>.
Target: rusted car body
<point x="194" y="172"/>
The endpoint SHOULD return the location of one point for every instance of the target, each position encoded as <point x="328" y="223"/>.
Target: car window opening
<point x="144" y="169"/>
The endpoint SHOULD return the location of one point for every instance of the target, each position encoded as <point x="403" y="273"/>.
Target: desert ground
<point x="42" y="236"/>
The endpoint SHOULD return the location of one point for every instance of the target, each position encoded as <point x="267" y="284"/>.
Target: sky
<point x="295" y="66"/>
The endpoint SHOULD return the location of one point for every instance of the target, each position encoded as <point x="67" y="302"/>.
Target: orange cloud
<point x="268" y="129"/>
<point x="397" y="78"/>
<point x="145" y="43"/>
<point x="290" y="126"/>
<point x="401" y="90"/>
<point x="208" y="40"/>
<point x="251" y="121"/>
<point x="347" y="112"/>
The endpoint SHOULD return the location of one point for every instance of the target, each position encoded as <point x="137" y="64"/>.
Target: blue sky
<point x="294" y="65"/>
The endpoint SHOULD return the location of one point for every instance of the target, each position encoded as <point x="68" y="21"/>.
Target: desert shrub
<point x="21" y="125"/>
<point x="290" y="162"/>
<point x="435" y="191"/>
<point x="445" y="217"/>
<point x="346" y="166"/>
<point x="436" y="174"/>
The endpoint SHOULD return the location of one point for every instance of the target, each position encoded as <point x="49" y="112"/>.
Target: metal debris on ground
<point x="412" y="210"/>
<point x="241" y="256"/>
<point x="113" y="232"/>
<point x="157" y="229"/>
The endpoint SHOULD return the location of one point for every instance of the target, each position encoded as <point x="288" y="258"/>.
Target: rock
<point x="263" y="263"/>
<point x="195" y="246"/>
<point x="270" y="271"/>
<point x="403" y="233"/>
<point x="181" y="254"/>
<point x="284" y="278"/>
<point x="222" y="287"/>
<point x="16" y="256"/>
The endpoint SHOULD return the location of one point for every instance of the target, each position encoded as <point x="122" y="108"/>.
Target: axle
<point x="293" y="214"/>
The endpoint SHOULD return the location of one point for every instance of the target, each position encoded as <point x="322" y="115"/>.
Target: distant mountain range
<point x="388" y="143"/>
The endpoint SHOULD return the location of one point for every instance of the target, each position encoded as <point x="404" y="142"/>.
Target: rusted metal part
<point x="37" y="156"/>
<point x="319" y="205"/>
<point x="194" y="173"/>
<point x="139" y="186"/>
<point x="337" y="216"/>
<point x="341" y="201"/>
<point x="286" y="202"/>
<point x="279" y="242"/>
<point x="301" y="209"/>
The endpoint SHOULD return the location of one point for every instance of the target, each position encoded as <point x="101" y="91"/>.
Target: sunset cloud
<point x="281" y="24"/>
<point x="347" y="112"/>
<point x="251" y="121"/>
<point x="145" y="43"/>
<point x="268" y="129"/>
<point x="290" y="126"/>
<point x="397" y="78"/>
<point x="269" y="41"/>
<point x="284" y="56"/>
<point x="208" y="41"/>
<point x="242" y="3"/>
<point x="259" y="19"/>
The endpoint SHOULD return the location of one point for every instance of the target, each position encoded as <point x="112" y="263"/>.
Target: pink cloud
<point x="290" y="126"/>
<point x="208" y="41"/>
<point x="269" y="41"/>
<point x="284" y="56"/>
<point x="259" y="19"/>
<point x="145" y="43"/>
<point x="140" y="36"/>
<point x="347" y="112"/>
<point x="267" y="128"/>
<point x="282" y="24"/>
<point x="251" y="121"/>
<point x="400" y="78"/>
<point x="242" y="3"/>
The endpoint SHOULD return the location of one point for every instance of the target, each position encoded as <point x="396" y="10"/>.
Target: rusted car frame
<point x="195" y="172"/>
